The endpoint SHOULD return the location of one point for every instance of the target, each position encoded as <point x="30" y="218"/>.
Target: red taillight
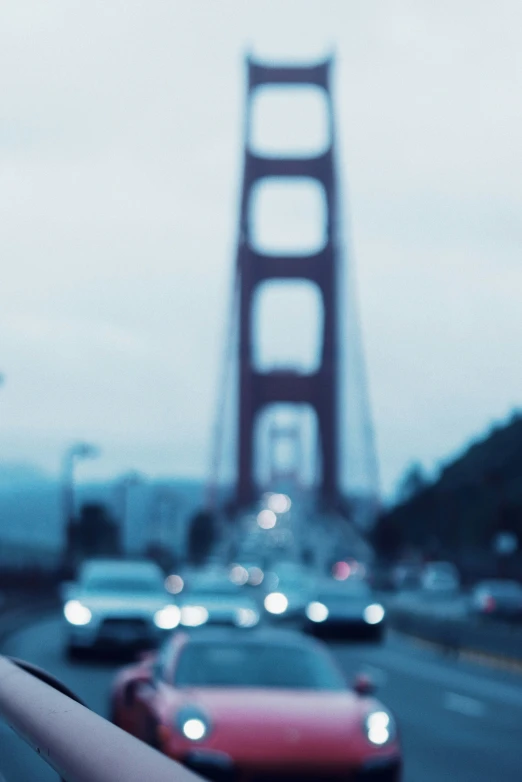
<point x="488" y="603"/>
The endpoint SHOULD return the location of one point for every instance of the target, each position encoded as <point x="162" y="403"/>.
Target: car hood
<point x="260" y="726"/>
<point x="122" y="602"/>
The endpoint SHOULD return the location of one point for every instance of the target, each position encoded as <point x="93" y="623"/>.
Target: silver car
<point x="291" y="589"/>
<point x="214" y="600"/>
<point x="440" y="578"/>
<point x="498" y="599"/>
<point x="117" y="604"/>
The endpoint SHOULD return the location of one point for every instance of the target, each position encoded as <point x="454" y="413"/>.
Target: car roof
<point x="120" y="567"/>
<point x="326" y="584"/>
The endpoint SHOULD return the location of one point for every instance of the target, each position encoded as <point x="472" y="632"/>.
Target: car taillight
<point x="488" y="603"/>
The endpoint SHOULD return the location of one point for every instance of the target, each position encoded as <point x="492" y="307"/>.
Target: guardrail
<point x="78" y="744"/>
<point x="459" y="634"/>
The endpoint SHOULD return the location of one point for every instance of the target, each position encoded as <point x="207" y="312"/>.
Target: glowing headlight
<point x="246" y="617"/>
<point x="373" y="614"/>
<point x="174" y="584"/>
<point x="167" y="618"/>
<point x="316" y="612"/>
<point x="193" y="616"/>
<point x="194" y="729"/>
<point x="238" y="574"/>
<point x="276" y="603"/>
<point x="76" y="613"/>
<point x="380" y="727"/>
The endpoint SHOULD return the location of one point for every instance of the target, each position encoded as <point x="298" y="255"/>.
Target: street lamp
<point x="74" y="453"/>
<point x="162" y="501"/>
<point x="123" y="488"/>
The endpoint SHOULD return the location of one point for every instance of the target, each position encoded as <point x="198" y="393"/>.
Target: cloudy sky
<point x="120" y="162"/>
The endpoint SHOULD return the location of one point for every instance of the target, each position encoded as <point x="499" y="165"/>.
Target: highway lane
<point x="459" y="721"/>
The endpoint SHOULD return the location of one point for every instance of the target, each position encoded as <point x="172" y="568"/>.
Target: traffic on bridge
<point x="261" y="515"/>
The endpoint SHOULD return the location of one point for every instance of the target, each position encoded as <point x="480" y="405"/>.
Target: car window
<point x="255" y="665"/>
<point x="212" y="594"/>
<point x="345" y="590"/>
<point x="118" y="584"/>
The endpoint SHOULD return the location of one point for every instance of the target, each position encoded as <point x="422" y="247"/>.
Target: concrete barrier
<point x="459" y="634"/>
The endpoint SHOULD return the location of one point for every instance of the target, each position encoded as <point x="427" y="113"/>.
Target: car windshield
<point x="212" y="594"/>
<point x="119" y="584"/>
<point x="256" y="665"/>
<point x="344" y="590"/>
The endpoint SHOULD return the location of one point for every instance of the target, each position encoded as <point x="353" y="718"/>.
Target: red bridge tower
<point x="318" y="389"/>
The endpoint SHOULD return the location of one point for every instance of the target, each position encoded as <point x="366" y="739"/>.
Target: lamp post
<point x="74" y="453"/>
<point x="123" y="489"/>
<point x="163" y="517"/>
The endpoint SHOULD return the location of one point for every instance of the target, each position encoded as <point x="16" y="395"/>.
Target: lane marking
<point x="463" y="704"/>
<point x="450" y="678"/>
<point x="486" y="659"/>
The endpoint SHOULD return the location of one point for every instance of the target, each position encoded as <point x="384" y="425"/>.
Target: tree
<point x="202" y="536"/>
<point x="412" y="483"/>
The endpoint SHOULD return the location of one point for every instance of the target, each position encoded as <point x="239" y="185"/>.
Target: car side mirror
<point x="364" y="684"/>
<point x="146" y="656"/>
<point x="145" y="685"/>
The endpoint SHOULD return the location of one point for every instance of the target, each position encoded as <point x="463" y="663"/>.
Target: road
<point x="459" y="721"/>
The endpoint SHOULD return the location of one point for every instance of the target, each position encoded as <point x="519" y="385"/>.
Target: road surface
<point x="459" y="721"/>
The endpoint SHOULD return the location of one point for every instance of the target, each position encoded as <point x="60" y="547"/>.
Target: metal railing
<point x="78" y="744"/>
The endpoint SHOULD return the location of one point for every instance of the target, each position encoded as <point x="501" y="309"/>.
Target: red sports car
<point x="262" y="706"/>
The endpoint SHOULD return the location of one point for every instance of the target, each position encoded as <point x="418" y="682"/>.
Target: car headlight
<point x="76" y="613"/>
<point x="194" y="729"/>
<point x="373" y="614"/>
<point x="167" y="618"/>
<point x="380" y="728"/>
<point x="276" y="603"/>
<point x="246" y="617"/>
<point x="193" y="616"/>
<point x="192" y="723"/>
<point x="316" y="612"/>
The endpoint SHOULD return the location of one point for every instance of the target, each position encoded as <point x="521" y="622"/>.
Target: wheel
<point x="151" y="733"/>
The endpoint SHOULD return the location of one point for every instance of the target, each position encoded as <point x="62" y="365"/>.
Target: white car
<point x="116" y="603"/>
<point x="209" y="599"/>
<point x="291" y="592"/>
<point x="440" y="578"/>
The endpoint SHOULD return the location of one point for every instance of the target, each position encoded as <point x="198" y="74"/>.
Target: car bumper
<point x="345" y="628"/>
<point x="219" y="768"/>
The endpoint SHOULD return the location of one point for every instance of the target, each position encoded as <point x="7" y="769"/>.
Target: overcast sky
<point x="120" y="162"/>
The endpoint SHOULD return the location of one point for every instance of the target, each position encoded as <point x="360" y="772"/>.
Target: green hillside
<point x="458" y="516"/>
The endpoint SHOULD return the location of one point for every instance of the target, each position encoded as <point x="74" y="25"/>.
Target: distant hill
<point x="458" y="516"/>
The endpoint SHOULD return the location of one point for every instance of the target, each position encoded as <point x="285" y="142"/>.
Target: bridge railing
<point x="78" y="744"/>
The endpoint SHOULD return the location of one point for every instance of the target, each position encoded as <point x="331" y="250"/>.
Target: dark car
<point x="346" y="609"/>
<point x="501" y="599"/>
<point x="265" y="705"/>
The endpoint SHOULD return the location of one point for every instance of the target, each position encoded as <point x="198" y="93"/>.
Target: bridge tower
<point x="318" y="389"/>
